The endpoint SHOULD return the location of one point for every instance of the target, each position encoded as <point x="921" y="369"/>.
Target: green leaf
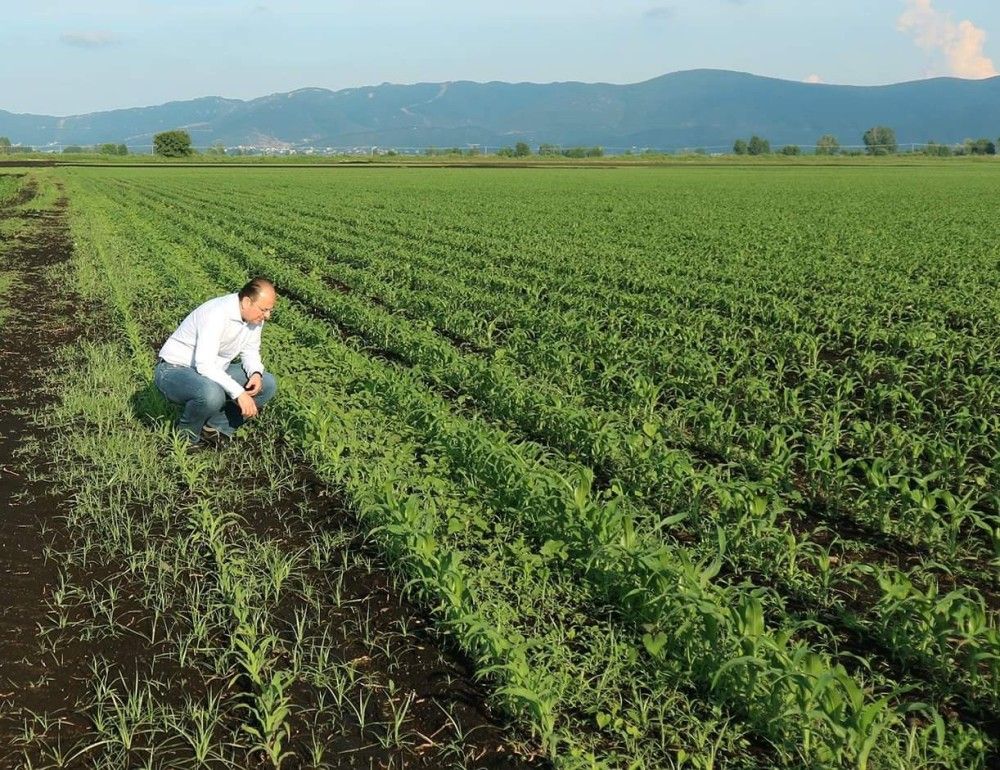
<point x="655" y="644"/>
<point x="554" y="548"/>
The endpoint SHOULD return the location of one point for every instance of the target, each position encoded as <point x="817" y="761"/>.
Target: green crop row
<point x="654" y="643"/>
<point x="972" y="650"/>
<point x="933" y="487"/>
<point x="572" y="529"/>
<point x="504" y="631"/>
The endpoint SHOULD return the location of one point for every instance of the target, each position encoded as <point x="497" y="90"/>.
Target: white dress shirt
<point x="211" y="336"/>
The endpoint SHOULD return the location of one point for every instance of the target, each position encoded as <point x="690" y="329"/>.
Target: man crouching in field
<point x="196" y="368"/>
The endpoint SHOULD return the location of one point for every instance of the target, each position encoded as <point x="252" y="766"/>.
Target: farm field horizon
<point x="692" y="467"/>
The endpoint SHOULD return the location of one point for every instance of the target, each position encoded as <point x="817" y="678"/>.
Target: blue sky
<point x="70" y="57"/>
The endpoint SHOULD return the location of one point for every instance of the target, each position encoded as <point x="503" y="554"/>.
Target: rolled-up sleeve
<point x="206" y="355"/>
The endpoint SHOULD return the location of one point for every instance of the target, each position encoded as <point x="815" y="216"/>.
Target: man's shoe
<point x="214" y="438"/>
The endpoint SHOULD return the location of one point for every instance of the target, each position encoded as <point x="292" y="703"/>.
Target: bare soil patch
<point x="39" y="321"/>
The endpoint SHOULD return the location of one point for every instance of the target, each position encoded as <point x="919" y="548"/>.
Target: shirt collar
<point x="233" y="306"/>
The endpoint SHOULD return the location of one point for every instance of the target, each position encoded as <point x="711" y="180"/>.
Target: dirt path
<point x="31" y="681"/>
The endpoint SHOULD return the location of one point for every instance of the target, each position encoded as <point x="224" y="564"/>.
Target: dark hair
<point x="255" y="287"/>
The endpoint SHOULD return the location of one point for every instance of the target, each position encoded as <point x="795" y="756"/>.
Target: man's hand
<point x="254" y="384"/>
<point x="248" y="407"/>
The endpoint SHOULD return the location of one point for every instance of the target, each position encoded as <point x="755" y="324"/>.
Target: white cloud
<point x="961" y="43"/>
<point x="88" y="39"/>
<point x="814" y="78"/>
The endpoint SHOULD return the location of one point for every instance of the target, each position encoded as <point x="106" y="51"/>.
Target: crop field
<point x="691" y="467"/>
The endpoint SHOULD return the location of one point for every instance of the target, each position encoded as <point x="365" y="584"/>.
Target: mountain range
<point x="694" y="108"/>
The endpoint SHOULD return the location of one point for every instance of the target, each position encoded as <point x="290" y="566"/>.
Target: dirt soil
<point x="31" y="681"/>
<point x="39" y="320"/>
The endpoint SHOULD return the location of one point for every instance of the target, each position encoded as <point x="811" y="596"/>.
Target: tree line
<point x="100" y="149"/>
<point x="877" y="140"/>
<point x="109" y="148"/>
<point x="177" y="144"/>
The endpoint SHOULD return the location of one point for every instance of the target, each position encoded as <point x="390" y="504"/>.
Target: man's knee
<point x="210" y="394"/>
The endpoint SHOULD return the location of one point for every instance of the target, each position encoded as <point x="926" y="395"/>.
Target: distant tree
<point x="758" y="146"/>
<point x="472" y="152"/>
<point x="122" y="149"/>
<point x="111" y="149"/>
<point x="583" y="152"/>
<point x="548" y="149"/>
<point x="72" y="149"/>
<point x="981" y="147"/>
<point x="522" y="150"/>
<point x="217" y="148"/>
<point x="505" y="152"/>
<point x="827" y="145"/>
<point x="172" y="144"/>
<point x="791" y="149"/>
<point x="740" y="147"/>
<point x="4" y="145"/>
<point x="937" y="150"/>
<point x="880" y="140"/>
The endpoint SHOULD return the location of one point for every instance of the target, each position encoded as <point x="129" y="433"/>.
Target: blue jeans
<point x="204" y="402"/>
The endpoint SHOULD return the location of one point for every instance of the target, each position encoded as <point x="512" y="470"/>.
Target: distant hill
<point x="697" y="108"/>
